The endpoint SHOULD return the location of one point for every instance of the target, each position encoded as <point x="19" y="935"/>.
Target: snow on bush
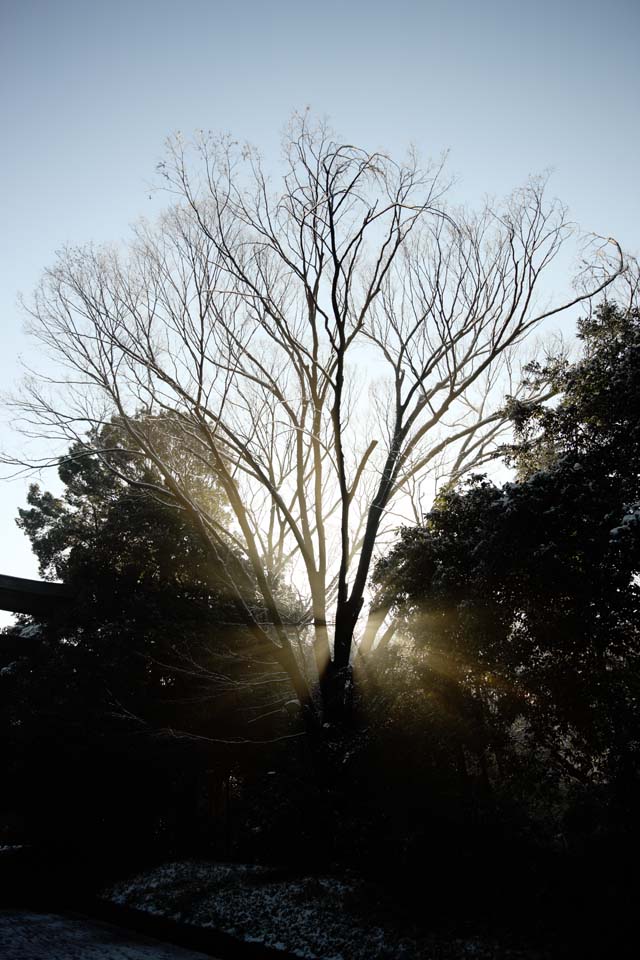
<point x="316" y="918"/>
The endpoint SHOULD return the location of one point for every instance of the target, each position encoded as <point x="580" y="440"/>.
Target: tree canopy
<point x="249" y="325"/>
<point x="526" y="594"/>
<point x="148" y="690"/>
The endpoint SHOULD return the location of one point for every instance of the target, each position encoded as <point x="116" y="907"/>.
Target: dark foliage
<point x="519" y="605"/>
<point x="122" y="715"/>
<point x="525" y="595"/>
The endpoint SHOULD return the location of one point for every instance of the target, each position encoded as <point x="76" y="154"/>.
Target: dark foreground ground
<point x="27" y="935"/>
<point x="189" y="909"/>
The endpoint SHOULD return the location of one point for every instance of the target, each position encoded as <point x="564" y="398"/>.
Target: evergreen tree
<point x="135" y="697"/>
<point x="526" y="595"/>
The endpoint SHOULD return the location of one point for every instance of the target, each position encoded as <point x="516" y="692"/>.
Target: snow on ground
<point x="25" y="935"/>
<point x="315" y="918"/>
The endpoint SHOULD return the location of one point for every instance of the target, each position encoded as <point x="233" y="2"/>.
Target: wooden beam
<point x="37" y="597"/>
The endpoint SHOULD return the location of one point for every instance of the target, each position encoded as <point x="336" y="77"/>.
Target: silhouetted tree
<point x="240" y="320"/>
<point x="147" y="690"/>
<point x="524" y="598"/>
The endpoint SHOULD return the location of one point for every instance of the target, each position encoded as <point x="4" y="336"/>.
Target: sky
<point x="89" y="91"/>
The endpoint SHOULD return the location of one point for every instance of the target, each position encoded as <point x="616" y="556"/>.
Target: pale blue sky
<point x="89" y="90"/>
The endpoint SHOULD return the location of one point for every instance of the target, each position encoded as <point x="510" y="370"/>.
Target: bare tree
<point x="319" y="349"/>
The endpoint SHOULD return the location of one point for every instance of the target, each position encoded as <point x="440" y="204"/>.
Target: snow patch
<point x="311" y="917"/>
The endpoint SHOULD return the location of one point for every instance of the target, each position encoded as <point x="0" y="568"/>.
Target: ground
<point x="312" y="917"/>
<point x="26" y="935"/>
